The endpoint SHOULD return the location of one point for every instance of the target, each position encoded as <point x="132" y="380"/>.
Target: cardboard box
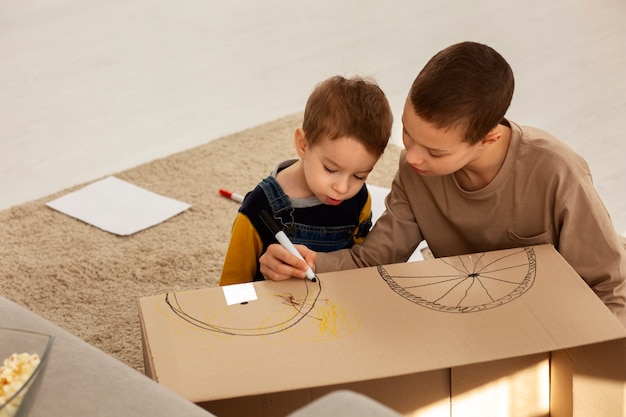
<point x="590" y="380"/>
<point x="424" y="338"/>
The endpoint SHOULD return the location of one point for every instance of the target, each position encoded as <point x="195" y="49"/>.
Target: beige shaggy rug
<point x="87" y="280"/>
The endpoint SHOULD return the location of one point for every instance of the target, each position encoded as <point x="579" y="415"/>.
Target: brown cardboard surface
<point x="591" y="380"/>
<point x="416" y="395"/>
<point x="512" y="387"/>
<point x="371" y="323"/>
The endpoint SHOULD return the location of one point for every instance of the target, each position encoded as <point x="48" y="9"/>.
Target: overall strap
<point x="278" y="200"/>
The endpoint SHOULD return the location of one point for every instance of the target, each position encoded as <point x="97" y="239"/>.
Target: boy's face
<point x="335" y="170"/>
<point x="431" y="151"/>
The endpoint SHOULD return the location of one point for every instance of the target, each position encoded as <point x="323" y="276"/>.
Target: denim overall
<point x="317" y="238"/>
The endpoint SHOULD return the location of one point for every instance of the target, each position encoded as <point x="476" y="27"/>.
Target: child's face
<point x="431" y="151"/>
<point x="335" y="170"/>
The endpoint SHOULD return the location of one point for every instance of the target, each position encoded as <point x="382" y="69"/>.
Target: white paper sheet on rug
<point x="117" y="206"/>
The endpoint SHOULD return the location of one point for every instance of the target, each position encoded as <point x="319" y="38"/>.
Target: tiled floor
<point x="89" y="88"/>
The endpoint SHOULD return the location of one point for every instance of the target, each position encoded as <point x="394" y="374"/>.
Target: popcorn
<point x="13" y="374"/>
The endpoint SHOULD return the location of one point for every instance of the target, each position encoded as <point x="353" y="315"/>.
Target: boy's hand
<point x="278" y="264"/>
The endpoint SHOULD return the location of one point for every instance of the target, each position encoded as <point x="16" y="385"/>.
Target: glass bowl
<point x="20" y="396"/>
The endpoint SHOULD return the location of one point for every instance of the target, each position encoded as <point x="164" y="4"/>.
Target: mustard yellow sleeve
<point x="244" y="249"/>
<point x="365" y="215"/>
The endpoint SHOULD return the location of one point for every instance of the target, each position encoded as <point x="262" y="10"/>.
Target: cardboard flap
<point x="372" y="323"/>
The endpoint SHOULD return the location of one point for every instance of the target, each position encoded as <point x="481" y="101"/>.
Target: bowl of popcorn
<point x="23" y="357"/>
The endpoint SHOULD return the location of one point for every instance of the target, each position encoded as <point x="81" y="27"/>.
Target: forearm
<point x="393" y="238"/>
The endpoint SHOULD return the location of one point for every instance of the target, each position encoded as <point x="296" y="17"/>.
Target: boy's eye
<point x="434" y="155"/>
<point x="333" y="171"/>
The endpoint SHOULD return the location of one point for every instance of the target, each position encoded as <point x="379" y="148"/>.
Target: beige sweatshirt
<point x="542" y="194"/>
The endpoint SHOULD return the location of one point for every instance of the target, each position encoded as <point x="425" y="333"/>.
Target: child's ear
<point x="492" y="137"/>
<point x="299" y="141"/>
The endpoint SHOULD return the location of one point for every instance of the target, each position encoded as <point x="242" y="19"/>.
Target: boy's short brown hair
<point x="467" y="84"/>
<point x="353" y="107"/>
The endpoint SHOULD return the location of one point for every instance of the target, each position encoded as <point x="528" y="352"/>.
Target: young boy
<point x="320" y="199"/>
<point x="472" y="181"/>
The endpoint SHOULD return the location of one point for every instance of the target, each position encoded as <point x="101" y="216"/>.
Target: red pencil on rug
<point x="233" y="196"/>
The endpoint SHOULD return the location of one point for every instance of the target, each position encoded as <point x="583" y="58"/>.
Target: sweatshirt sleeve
<point x="244" y="249"/>
<point x="589" y="243"/>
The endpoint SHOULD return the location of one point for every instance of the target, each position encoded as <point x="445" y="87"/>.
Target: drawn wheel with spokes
<point x="469" y="283"/>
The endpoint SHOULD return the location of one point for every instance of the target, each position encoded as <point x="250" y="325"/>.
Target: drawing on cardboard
<point x="469" y="283"/>
<point x="325" y="321"/>
<point x="278" y="321"/>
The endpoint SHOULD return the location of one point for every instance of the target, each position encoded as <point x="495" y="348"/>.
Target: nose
<point x="341" y="185"/>
<point x="415" y="156"/>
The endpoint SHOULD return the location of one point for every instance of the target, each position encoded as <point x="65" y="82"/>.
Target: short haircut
<point x="467" y="85"/>
<point x="353" y="107"/>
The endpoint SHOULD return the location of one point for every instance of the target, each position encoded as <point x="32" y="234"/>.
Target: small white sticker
<point x="239" y="293"/>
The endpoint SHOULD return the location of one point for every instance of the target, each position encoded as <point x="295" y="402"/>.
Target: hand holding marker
<point x="284" y="241"/>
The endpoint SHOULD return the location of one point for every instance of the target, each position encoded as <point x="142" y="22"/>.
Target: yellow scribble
<point x="333" y="320"/>
<point x="326" y="321"/>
